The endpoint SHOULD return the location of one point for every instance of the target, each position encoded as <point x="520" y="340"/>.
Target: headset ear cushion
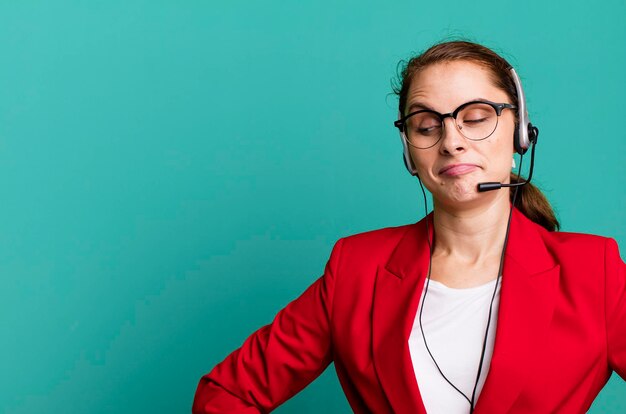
<point x="406" y="164"/>
<point x="516" y="141"/>
<point x="533" y="133"/>
<point x="409" y="164"/>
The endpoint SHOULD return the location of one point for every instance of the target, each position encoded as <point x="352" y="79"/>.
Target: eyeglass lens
<point x="476" y="121"/>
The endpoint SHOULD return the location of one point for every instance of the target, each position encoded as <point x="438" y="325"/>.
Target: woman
<point x="480" y="307"/>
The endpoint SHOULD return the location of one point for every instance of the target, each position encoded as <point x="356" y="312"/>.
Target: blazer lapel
<point x="529" y="286"/>
<point x="396" y="297"/>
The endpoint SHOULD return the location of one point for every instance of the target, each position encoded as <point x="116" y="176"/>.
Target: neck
<point x="471" y="234"/>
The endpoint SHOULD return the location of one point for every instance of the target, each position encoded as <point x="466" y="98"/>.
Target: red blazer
<point x="561" y="328"/>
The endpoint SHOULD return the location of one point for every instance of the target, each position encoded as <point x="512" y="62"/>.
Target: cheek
<point x="422" y="161"/>
<point x="414" y="157"/>
<point x="500" y="150"/>
<point x="508" y="129"/>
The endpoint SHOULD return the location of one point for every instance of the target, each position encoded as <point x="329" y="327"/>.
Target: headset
<point x="525" y="135"/>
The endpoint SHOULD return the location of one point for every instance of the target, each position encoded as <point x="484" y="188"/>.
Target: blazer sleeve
<point x="279" y="359"/>
<point x="615" y="312"/>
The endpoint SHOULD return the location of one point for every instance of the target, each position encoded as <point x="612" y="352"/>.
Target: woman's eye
<point x="474" y="121"/>
<point x="427" y="130"/>
<point x="424" y="124"/>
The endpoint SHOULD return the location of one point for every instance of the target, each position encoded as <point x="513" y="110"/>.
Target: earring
<point x="513" y="163"/>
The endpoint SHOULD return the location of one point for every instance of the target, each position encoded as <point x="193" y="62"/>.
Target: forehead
<point x="445" y="86"/>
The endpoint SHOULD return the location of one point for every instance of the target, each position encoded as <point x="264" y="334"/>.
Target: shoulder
<point x="573" y="241"/>
<point x="371" y="247"/>
<point x="581" y="251"/>
<point x="577" y="244"/>
<point x="386" y="235"/>
<point x="560" y="242"/>
<point x="536" y="248"/>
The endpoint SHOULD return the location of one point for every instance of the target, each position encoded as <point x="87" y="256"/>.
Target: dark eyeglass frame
<point x="498" y="107"/>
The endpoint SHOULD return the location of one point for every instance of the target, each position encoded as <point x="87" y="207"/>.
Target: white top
<point x="454" y="322"/>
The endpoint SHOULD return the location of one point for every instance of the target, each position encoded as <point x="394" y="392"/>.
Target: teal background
<point x="173" y="173"/>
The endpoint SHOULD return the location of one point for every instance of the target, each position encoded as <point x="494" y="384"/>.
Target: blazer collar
<point x="529" y="284"/>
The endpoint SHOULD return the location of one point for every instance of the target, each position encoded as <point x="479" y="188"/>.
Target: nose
<point x="452" y="141"/>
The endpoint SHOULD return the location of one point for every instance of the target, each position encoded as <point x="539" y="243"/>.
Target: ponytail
<point x="534" y="205"/>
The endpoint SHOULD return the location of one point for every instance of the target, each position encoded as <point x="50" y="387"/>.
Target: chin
<point x="458" y="192"/>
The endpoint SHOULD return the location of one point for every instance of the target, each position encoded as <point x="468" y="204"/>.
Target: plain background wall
<point x="173" y="173"/>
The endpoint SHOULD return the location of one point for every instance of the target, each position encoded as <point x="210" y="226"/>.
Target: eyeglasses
<point x="475" y="120"/>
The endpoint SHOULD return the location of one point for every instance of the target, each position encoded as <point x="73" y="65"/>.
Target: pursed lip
<point x="457" y="169"/>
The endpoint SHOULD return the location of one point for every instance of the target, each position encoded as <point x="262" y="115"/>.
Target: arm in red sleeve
<point x="615" y="308"/>
<point x="278" y="360"/>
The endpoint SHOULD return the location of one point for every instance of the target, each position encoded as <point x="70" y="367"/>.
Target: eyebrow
<point x="417" y="106"/>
